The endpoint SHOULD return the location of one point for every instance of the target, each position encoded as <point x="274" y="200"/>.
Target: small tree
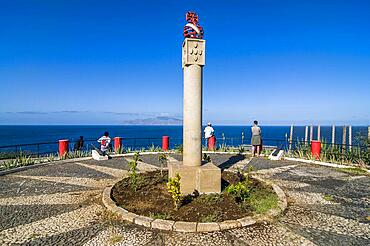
<point x="133" y="171"/>
<point x="173" y="187"/>
<point x="162" y="158"/>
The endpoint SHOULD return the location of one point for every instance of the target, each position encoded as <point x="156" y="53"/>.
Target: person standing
<point x="208" y="132"/>
<point x="104" y="143"/>
<point x="79" y="144"/>
<point x="256" y="138"/>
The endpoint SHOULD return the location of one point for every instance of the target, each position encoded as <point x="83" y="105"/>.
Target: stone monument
<point x="194" y="176"/>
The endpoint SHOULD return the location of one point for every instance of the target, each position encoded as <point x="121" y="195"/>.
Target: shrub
<point x="206" y="158"/>
<point x="240" y="190"/>
<point x="133" y="171"/>
<point x="173" y="187"/>
<point x="179" y="148"/>
<point x="162" y="158"/>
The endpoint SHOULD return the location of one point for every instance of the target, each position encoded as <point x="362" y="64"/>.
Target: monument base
<point x="205" y="179"/>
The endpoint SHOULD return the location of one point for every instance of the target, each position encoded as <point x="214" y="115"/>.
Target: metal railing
<point x="51" y="147"/>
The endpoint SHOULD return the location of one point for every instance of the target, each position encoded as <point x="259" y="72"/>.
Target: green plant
<point x="133" y="171"/>
<point x="162" y="158"/>
<point x="115" y="238"/>
<point x="262" y="200"/>
<point x="328" y="198"/>
<point x="159" y="216"/>
<point x="119" y="150"/>
<point x="173" y="187"/>
<point x="179" y="148"/>
<point x="241" y="149"/>
<point x="154" y="148"/>
<point x="211" y="198"/>
<point x="21" y="160"/>
<point x="213" y="217"/>
<point x="240" y="190"/>
<point x="206" y="158"/>
<point x="354" y="171"/>
<point x="77" y="154"/>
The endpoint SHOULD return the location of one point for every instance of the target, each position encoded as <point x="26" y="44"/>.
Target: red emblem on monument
<point x="192" y="29"/>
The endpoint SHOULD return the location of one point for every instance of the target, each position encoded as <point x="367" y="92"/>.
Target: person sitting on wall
<point x="208" y="132"/>
<point x="79" y="144"/>
<point x="104" y="143"/>
<point x="256" y="138"/>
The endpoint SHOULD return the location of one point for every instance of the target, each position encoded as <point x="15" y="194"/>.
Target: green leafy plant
<point x="241" y="149"/>
<point x="206" y="158"/>
<point x="179" y="148"/>
<point x="133" y="171"/>
<point x="162" y="158"/>
<point x="173" y="187"/>
<point x="119" y="150"/>
<point x="21" y="160"/>
<point x="240" y="190"/>
<point x="154" y="148"/>
<point x="77" y="154"/>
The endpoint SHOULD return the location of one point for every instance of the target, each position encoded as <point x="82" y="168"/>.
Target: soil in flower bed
<point x="152" y="199"/>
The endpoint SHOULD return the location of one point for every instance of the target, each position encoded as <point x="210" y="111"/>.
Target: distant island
<point x="160" y="120"/>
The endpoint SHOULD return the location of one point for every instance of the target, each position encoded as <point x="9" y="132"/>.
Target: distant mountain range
<point x="160" y="120"/>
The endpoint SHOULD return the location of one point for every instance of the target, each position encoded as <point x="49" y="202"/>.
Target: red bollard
<point x="165" y="142"/>
<point x="63" y="147"/>
<point x="316" y="149"/>
<point x="117" y="145"/>
<point x="211" y="143"/>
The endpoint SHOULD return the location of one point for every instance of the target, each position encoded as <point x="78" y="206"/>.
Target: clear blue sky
<point x="104" y="62"/>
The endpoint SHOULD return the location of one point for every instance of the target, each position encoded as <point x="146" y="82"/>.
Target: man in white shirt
<point x="208" y="132"/>
<point x="104" y="143"/>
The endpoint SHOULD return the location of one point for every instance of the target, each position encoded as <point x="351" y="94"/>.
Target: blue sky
<point x="105" y="62"/>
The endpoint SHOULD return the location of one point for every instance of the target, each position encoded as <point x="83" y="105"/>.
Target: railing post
<point x="165" y="143"/>
<point x="38" y="150"/>
<point x="117" y="145"/>
<point x="63" y="148"/>
<point x="311" y="133"/>
<point x="291" y="137"/>
<point x="306" y="134"/>
<point x="350" y="138"/>
<point x="344" y="139"/>
<point x="318" y="132"/>
<point x="333" y="135"/>
<point x="316" y="149"/>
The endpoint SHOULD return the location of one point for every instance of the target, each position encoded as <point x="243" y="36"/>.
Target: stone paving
<point x="60" y="204"/>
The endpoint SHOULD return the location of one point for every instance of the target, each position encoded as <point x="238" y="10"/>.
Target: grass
<point x="115" y="238"/>
<point x="328" y="198"/>
<point x="110" y="218"/>
<point x="213" y="217"/>
<point x="261" y="200"/>
<point x="211" y="198"/>
<point x="354" y="171"/>
<point x="159" y="216"/>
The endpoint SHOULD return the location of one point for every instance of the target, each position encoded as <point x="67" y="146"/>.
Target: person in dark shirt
<point x="79" y="143"/>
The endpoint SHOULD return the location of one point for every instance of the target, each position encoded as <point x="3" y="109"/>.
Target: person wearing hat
<point x="208" y="132"/>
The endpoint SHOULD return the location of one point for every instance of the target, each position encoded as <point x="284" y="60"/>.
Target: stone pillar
<point x="194" y="176"/>
<point x="193" y="60"/>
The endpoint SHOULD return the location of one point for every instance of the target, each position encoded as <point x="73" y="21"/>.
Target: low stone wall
<point x="182" y="226"/>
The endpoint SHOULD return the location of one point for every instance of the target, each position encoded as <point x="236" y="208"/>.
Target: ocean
<point x="143" y="136"/>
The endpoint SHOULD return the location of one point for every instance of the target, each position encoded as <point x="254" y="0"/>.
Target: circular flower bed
<point x="243" y="201"/>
